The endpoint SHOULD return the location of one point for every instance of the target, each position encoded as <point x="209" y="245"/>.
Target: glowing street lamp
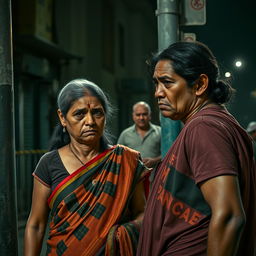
<point x="227" y="74"/>
<point x="238" y="63"/>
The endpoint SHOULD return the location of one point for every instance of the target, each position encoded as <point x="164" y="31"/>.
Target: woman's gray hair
<point x="69" y="94"/>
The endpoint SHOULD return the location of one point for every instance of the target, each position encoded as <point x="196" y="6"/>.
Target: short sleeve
<point x="41" y="172"/>
<point x="210" y="151"/>
<point x="121" y="139"/>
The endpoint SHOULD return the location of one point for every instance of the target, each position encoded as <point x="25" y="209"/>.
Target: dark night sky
<point x="230" y="32"/>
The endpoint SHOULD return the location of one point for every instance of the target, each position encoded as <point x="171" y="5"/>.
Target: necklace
<point x="76" y="156"/>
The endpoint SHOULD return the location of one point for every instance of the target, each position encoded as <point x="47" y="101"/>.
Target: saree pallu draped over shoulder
<point x="87" y="206"/>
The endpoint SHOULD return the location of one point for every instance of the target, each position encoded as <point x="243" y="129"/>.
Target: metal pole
<point x="168" y="30"/>
<point x="8" y="212"/>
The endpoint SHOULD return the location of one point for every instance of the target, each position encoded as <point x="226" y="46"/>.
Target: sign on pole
<point x="193" y="12"/>
<point x="188" y="37"/>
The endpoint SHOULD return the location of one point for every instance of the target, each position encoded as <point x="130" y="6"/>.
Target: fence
<point x="26" y="161"/>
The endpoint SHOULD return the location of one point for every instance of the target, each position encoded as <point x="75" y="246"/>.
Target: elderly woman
<point x="91" y="188"/>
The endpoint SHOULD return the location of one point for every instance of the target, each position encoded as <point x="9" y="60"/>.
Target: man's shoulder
<point x="155" y="127"/>
<point x="129" y="129"/>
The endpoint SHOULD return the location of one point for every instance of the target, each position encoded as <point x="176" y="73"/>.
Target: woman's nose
<point x="89" y="120"/>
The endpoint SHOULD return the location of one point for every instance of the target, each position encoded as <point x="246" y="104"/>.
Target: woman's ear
<point x="62" y="118"/>
<point x="202" y="84"/>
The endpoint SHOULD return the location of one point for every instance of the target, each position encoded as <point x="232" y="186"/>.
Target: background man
<point x="251" y="129"/>
<point x="143" y="136"/>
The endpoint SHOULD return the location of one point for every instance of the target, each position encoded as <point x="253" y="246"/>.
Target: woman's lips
<point x="89" y="132"/>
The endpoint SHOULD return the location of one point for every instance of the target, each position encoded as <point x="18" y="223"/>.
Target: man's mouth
<point x="163" y="105"/>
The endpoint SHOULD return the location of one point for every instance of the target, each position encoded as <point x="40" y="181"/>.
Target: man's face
<point x="141" y="116"/>
<point x="175" y="99"/>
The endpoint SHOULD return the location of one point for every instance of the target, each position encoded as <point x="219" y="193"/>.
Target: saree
<point x="88" y="207"/>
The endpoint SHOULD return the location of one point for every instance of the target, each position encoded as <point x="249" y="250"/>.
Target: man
<point x="251" y="129"/>
<point x="202" y="201"/>
<point x="143" y="136"/>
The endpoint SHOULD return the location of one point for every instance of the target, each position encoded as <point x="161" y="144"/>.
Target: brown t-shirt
<point x="177" y="216"/>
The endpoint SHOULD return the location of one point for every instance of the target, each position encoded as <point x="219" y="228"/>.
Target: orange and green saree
<point x="87" y="207"/>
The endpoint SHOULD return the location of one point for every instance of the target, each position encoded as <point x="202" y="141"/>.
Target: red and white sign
<point x="197" y="4"/>
<point x="193" y="12"/>
<point x="189" y="37"/>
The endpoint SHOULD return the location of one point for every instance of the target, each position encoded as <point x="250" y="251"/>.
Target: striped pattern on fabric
<point x="88" y="204"/>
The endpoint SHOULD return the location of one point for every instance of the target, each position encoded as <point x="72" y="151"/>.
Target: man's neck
<point x="142" y="131"/>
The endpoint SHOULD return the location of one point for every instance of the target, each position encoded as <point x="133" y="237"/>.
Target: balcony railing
<point x="26" y="161"/>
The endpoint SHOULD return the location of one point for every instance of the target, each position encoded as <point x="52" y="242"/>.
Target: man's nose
<point x="159" y="92"/>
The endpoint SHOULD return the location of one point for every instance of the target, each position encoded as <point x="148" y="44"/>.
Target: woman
<point x="90" y="187"/>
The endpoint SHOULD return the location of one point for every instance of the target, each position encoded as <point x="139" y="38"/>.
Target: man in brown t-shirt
<point x="202" y="200"/>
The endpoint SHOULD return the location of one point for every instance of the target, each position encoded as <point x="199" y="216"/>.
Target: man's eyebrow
<point x="161" y="78"/>
<point x="164" y="77"/>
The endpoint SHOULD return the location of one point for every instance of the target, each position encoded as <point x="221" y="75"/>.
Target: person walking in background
<point x="251" y="129"/>
<point x="203" y="199"/>
<point x="92" y="189"/>
<point x="143" y="136"/>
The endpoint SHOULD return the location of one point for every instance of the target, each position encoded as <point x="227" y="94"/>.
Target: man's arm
<point x="228" y="218"/>
<point x="151" y="161"/>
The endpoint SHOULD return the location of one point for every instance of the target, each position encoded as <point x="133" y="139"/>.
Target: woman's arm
<point x="228" y="218"/>
<point x="138" y="202"/>
<point x="35" y="228"/>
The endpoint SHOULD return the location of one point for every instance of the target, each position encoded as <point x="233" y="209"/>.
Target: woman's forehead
<point x="87" y="101"/>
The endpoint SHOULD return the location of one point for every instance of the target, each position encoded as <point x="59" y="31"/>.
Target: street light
<point x="238" y="63"/>
<point x="227" y="74"/>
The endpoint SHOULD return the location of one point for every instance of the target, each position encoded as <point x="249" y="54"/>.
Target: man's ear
<point x="62" y="118"/>
<point x="201" y="84"/>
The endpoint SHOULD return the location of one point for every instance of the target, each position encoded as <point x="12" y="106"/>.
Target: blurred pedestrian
<point x="203" y="199"/>
<point x="91" y="188"/>
<point x="251" y="129"/>
<point x="143" y="136"/>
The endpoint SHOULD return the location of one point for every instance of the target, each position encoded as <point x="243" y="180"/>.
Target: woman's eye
<point x="79" y="115"/>
<point x="98" y="112"/>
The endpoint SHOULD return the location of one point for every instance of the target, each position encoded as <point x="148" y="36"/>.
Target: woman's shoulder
<point x="47" y="159"/>
<point x="49" y="155"/>
<point x="127" y="149"/>
<point x="42" y="170"/>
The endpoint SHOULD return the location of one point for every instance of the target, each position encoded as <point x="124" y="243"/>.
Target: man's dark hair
<point x="191" y="59"/>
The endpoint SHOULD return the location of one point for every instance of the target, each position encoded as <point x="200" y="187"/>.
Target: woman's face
<point x="85" y="120"/>
<point x="175" y="99"/>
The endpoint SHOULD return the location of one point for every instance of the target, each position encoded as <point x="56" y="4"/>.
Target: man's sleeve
<point x="210" y="152"/>
<point x="121" y="139"/>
